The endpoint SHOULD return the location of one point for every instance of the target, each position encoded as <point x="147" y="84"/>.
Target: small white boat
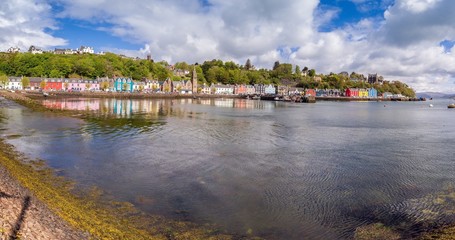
<point x="431" y="105"/>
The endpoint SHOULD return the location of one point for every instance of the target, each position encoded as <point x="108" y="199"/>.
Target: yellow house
<point x="363" y="93"/>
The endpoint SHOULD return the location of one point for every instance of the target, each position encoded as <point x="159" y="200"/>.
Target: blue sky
<point x="406" y="40"/>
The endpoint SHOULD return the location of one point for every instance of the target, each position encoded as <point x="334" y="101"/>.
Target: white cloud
<point x="26" y="22"/>
<point x="403" y="45"/>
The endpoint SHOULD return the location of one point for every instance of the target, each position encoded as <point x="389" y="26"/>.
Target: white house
<point x="35" y="50"/>
<point x="270" y="89"/>
<point x="14" y="83"/>
<point x="85" y="49"/>
<point x="222" y="89"/>
<point x="14" y="50"/>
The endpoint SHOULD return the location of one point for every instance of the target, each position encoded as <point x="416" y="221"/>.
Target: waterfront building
<point x="123" y="84"/>
<point x="259" y="89"/>
<point x="176" y="86"/>
<point x="14" y="83"/>
<point x="186" y="87"/>
<point x="53" y="84"/>
<point x="363" y="93"/>
<point x="139" y="86"/>
<point x="35" y="83"/>
<point x="250" y="89"/>
<point x="222" y="89"/>
<point x="270" y="89"/>
<point x="152" y="85"/>
<point x="75" y="85"/>
<point x="283" y="90"/>
<point x="352" y="92"/>
<point x="328" y="93"/>
<point x="387" y="95"/>
<point x="240" y="89"/>
<point x="296" y="91"/>
<point x="372" y="93"/>
<point x="205" y="89"/>
<point x="166" y="86"/>
<point x="310" y="92"/>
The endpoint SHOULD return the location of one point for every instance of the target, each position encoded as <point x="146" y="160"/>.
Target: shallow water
<point x="278" y="170"/>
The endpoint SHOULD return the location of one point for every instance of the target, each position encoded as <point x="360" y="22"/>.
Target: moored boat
<point x="451" y="105"/>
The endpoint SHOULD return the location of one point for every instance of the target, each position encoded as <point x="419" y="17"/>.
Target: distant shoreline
<point x="39" y="95"/>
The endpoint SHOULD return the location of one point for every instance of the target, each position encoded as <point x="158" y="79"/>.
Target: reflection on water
<point x="278" y="170"/>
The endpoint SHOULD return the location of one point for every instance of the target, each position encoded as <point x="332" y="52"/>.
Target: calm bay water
<point x="278" y="170"/>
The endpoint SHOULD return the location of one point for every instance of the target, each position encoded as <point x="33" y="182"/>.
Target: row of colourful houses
<point x="122" y="84"/>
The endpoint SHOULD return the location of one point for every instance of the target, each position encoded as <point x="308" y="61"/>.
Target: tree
<point x="297" y="71"/>
<point x="124" y="86"/>
<point x="276" y="65"/>
<point x="66" y="85"/>
<point x="74" y="75"/>
<point x="312" y="73"/>
<point x="104" y="85"/>
<point x="54" y="73"/>
<point x="3" y="80"/>
<point x="25" y="82"/>
<point x="87" y="86"/>
<point x="42" y="84"/>
<point x="248" y="65"/>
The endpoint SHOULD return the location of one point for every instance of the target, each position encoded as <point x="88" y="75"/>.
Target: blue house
<point x="372" y="93"/>
<point x="123" y="85"/>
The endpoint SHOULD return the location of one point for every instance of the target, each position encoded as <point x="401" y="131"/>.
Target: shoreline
<point x="39" y="95"/>
<point x="23" y="215"/>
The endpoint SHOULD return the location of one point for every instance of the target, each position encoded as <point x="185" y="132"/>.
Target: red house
<point x="310" y="92"/>
<point x="352" y="92"/>
<point x="53" y="84"/>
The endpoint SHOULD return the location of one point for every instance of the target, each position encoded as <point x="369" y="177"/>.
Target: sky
<point x="407" y="40"/>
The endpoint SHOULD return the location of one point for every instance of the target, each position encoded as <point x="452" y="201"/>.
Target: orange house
<point x="239" y="89"/>
<point x="53" y="84"/>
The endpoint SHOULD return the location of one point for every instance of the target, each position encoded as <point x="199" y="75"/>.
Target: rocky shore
<point x="23" y="216"/>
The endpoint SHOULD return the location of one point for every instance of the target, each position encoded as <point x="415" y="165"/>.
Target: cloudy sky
<point x="407" y="40"/>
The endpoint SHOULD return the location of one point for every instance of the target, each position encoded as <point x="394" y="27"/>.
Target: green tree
<point x="248" y="65"/>
<point x="297" y="71"/>
<point x="104" y="85"/>
<point x="25" y="82"/>
<point x="54" y="73"/>
<point x="42" y="84"/>
<point x="312" y="73"/>
<point x="4" y="80"/>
